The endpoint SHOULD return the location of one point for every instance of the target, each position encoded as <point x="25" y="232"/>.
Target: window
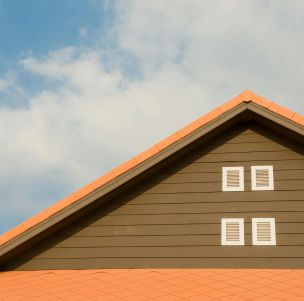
<point x="262" y="178"/>
<point x="263" y="231"/>
<point x="233" y="178"/>
<point x="232" y="231"/>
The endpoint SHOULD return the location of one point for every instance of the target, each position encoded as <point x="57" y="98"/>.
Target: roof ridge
<point x="246" y="96"/>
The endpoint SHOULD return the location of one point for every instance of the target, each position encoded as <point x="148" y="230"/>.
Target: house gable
<point x="247" y="107"/>
<point x="172" y="217"/>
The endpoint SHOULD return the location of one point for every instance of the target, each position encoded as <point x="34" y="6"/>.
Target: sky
<point x="86" y="85"/>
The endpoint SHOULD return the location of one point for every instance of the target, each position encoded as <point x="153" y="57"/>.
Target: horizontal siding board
<point x="215" y="197"/>
<point x="161" y="241"/>
<point x="249" y="147"/>
<point x="288" y="185"/>
<point x="252" y="138"/>
<point x="145" y="230"/>
<point x="180" y="229"/>
<point x="185" y="251"/>
<point x="174" y="219"/>
<point x="130" y="241"/>
<point x="216" y="176"/>
<point x="209" y="207"/>
<point x="171" y="262"/>
<point x="217" y="166"/>
<point x="250" y="156"/>
<point x="256" y="136"/>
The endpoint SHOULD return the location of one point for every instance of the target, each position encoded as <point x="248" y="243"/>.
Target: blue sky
<point x="83" y="82"/>
<point x="35" y="26"/>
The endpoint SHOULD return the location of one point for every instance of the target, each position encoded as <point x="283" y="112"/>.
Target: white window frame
<point x="255" y="242"/>
<point x="224" y="242"/>
<point x="224" y="178"/>
<point x="253" y="177"/>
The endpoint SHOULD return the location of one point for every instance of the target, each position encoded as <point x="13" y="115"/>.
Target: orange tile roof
<point x="153" y="284"/>
<point x="245" y="97"/>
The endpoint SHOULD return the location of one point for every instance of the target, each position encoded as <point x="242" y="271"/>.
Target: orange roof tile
<point x="244" y="97"/>
<point x="153" y="284"/>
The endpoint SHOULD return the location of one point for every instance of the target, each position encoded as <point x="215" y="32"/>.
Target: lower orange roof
<point x="153" y="284"/>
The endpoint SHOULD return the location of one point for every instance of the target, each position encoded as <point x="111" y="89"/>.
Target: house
<point x="213" y="212"/>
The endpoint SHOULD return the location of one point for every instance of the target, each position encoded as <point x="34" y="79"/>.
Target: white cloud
<point x="93" y="114"/>
<point x="83" y="126"/>
<point x="224" y="45"/>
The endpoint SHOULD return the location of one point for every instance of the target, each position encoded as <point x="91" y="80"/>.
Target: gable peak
<point x="247" y="95"/>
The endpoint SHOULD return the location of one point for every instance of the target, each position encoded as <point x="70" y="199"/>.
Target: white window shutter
<point x="263" y="231"/>
<point x="262" y="178"/>
<point x="232" y="231"/>
<point x="233" y="178"/>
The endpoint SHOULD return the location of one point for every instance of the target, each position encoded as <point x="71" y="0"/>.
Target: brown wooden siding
<point x="172" y="219"/>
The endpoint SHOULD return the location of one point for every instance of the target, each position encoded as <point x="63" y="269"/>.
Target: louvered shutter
<point x="233" y="178"/>
<point x="232" y="231"/>
<point x="263" y="231"/>
<point x="262" y="178"/>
